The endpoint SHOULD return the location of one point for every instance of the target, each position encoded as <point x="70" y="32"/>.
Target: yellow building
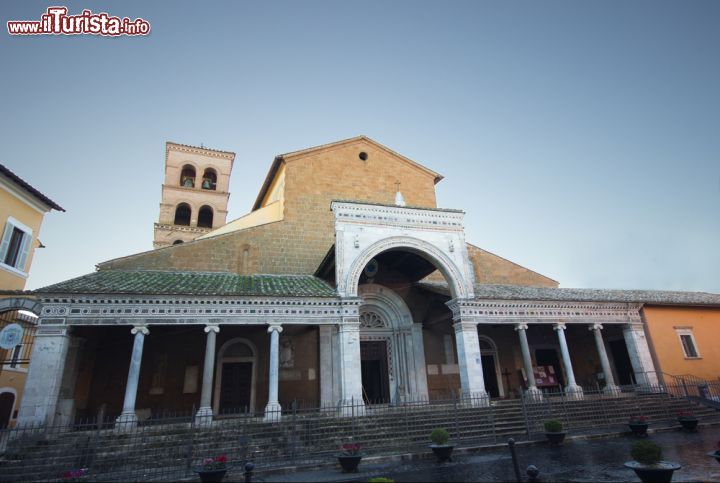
<point x="684" y="340"/>
<point x="22" y="209"/>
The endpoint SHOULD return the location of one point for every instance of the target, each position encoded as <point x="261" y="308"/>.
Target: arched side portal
<point x="30" y="305"/>
<point x="491" y="367"/>
<point x="386" y="325"/>
<point x="236" y="374"/>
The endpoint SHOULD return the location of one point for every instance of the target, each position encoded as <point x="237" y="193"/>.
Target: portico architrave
<point x="187" y="310"/>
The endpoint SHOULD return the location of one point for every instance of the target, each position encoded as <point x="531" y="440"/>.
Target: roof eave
<point x="277" y="162"/>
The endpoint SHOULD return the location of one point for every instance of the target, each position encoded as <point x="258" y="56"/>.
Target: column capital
<point x="274" y="327"/>
<point x="559" y="326"/>
<point x="463" y="325"/>
<point x="212" y="328"/>
<point x="638" y="326"/>
<point x="521" y="326"/>
<point x="595" y="327"/>
<point x="460" y="307"/>
<point x="140" y="329"/>
<point x="351" y="326"/>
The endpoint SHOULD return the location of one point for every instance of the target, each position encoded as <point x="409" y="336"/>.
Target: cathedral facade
<point x="344" y="287"/>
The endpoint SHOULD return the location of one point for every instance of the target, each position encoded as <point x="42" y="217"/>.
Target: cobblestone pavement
<point x="578" y="460"/>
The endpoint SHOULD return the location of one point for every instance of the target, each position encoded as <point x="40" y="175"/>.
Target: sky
<point x="582" y="139"/>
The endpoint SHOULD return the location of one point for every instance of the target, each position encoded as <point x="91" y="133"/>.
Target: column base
<point x="126" y="421"/>
<point x="273" y="413"/>
<point x="611" y="389"/>
<point x="534" y="394"/>
<point x="204" y="416"/>
<point x="573" y="391"/>
<point x="351" y="407"/>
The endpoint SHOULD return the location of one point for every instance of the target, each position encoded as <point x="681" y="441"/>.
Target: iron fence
<point x="168" y="446"/>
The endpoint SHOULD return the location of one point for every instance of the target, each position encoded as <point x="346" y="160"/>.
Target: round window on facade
<point x="363" y="155"/>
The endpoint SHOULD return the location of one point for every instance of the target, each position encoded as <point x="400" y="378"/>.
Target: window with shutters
<point x="15" y="246"/>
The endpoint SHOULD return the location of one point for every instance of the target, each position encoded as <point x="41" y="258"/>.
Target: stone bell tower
<point x="194" y="194"/>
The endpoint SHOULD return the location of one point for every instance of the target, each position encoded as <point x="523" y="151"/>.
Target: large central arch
<point x="460" y="286"/>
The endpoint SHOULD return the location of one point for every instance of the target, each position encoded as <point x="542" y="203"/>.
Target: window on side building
<point x="15" y="245"/>
<point x="687" y="340"/>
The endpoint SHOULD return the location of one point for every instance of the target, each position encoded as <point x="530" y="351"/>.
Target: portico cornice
<point x="531" y="311"/>
<point x="183" y="310"/>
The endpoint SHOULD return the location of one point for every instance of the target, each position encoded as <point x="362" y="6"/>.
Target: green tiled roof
<point x="157" y="282"/>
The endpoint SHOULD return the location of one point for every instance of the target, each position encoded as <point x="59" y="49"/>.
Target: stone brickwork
<point x="490" y="268"/>
<point x="298" y="243"/>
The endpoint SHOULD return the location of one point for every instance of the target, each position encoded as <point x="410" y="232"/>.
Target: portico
<point x="370" y="327"/>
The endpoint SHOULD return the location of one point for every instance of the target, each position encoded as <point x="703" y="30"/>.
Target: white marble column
<point x="532" y="389"/>
<point x="351" y="400"/>
<point x="128" y="418"/>
<point x="639" y="352"/>
<point x="204" y="414"/>
<point x="329" y="377"/>
<point x="42" y="385"/>
<point x="418" y="358"/>
<point x="472" y="380"/>
<point x="572" y="389"/>
<point x="65" y="411"/>
<point x="273" y="409"/>
<point x="610" y="385"/>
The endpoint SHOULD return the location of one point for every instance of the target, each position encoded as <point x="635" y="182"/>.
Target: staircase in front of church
<point x="168" y="451"/>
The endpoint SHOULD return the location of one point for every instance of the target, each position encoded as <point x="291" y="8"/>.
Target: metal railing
<point x="168" y="446"/>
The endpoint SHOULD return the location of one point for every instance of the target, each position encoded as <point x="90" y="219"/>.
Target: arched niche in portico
<point x="235" y="355"/>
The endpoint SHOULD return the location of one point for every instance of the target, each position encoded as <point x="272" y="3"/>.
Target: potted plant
<point x="554" y="432"/>
<point x="349" y="456"/>
<point x="688" y="420"/>
<point x="638" y="425"/>
<point x="648" y="464"/>
<point x="212" y="469"/>
<point x="716" y="454"/>
<point x="441" y="448"/>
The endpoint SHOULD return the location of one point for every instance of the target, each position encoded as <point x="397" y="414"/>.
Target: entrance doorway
<point x="236" y="387"/>
<point x="235" y="377"/>
<point x="373" y="365"/>
<point x="621" y="358"/>
<point x="549" y="357"/>
<point x="490" y="367"/>
<point x="7" y="401"/>
<point x="490" y="376"/>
